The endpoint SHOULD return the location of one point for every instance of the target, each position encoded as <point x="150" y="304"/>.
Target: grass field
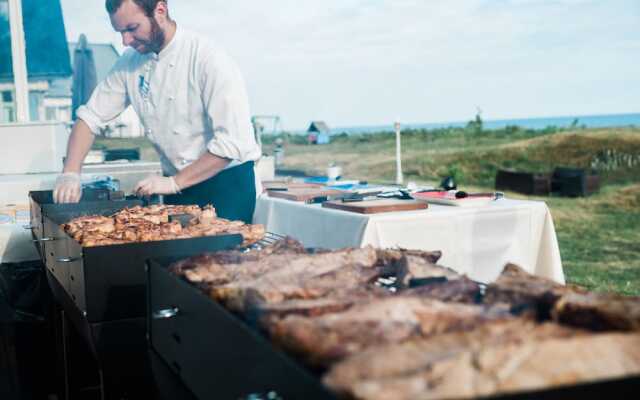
<point x="599" y="236"/>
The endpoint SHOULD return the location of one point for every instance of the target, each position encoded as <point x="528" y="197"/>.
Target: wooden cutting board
<point x="376" y="206"/>
<point x="304" y="194"/>
<point x="288" y="185"/>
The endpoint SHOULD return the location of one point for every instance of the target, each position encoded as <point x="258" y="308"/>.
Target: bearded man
<point x="192" y="101"/>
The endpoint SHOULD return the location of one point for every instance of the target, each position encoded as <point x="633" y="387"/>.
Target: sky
<point x="372" y="62"/>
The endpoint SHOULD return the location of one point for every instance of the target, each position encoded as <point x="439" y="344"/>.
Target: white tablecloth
<point x="477" y="241"/>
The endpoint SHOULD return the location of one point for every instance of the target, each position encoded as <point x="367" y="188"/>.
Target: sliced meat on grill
<point x="427" y="279"/>
<point x="471" y="365"/>
<point x="462" y="290"/>
<point x="380" y="365"/>
<point x="288" y="245"/>
<point x="221" y="269"/>
<point x="213" y="261"/>
<point x="599" y="312"/>
<point x="267" y="313"/>
<point x="411" y="267"/>
<point x="331" y="337"/>
<point x="525" y="292"/>
<point x="393" y="259"/>
<point x="283" y="278"/>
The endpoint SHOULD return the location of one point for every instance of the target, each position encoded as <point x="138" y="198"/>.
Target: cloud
<point x="356" y="62"/>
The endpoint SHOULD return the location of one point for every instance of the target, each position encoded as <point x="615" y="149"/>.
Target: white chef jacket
<point x="190" y="97"/>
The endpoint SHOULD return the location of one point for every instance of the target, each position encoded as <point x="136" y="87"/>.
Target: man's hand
<point x="155" y="184"/>
<point x="68" y="188"/>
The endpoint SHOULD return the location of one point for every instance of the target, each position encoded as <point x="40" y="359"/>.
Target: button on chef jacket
<point x="190" y="97"/>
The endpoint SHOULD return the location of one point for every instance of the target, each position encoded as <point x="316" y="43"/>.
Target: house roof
<point x="45" y="41"/>
<point x="105" y="56"/>
<point x="318" y="126"/>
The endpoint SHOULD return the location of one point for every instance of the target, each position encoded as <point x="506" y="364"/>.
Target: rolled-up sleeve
<point x="226" y="103"/>
<point x="108" y="100"/>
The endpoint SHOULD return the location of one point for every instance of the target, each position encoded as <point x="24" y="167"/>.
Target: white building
<point x="50" y="72"/>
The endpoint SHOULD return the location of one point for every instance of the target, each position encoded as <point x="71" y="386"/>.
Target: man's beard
<point x="156" y="38"/>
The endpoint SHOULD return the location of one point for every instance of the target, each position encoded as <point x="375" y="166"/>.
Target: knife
<point x="463" y="195"/>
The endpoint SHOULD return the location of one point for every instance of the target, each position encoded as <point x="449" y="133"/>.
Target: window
<point x="7" y="114"/>
<point x="7" y="96"/>
<point x="35" y="101"/>
<point x="51" y="114"/>
<point x="7" y="107"/>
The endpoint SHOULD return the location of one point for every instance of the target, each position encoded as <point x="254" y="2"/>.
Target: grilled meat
<point x="598" y="311"/>
<point x="416" y="357"/>
<point x="493" y="358"/>
<point x="525" y="293"/>
<point x="330" y="337"/>
<point x="285" y="277"/>
<point x="143" y="224"/>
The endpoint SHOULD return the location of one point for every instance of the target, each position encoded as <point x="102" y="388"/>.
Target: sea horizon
<point x="588" y="121"/>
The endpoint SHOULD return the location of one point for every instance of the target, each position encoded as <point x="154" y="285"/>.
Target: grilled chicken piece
<point x="143" y="224"/>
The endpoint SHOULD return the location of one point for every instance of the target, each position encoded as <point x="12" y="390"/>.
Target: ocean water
<point x="590" y="121"/>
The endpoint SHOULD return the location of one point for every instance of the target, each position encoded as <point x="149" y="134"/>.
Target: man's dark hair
<point x="148" y="6"/>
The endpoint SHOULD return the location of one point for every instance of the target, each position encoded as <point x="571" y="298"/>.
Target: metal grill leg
<point x="65" y="353"/>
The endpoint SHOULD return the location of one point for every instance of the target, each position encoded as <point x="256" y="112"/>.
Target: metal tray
<point x="41" y="204"/>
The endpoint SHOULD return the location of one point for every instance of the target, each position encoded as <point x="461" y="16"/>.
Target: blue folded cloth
<point x="317" y="179"/>
<point x="102" y="182"/>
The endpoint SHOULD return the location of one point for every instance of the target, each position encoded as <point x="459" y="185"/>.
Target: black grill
<point x="102" y="289"/>
<point x="200" y="348"/>
<point x="214" y="353"/>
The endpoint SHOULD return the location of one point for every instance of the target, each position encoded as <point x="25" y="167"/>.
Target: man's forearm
<point x="80" y="143"/>
<point x="205" y="167"/>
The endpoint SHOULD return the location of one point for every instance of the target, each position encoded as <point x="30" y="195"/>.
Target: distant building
<point x="46" y="53"/>
<point x="318" y="133"/>
<point x="50" y="68"/>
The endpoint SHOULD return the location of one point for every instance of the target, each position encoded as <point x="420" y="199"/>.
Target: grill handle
<point x="272" y="395"/>
<point x="46" y="239"/>
<point x="67" y="259"/>
<point x="28" y="227"/>
<point x="166" y="313"/>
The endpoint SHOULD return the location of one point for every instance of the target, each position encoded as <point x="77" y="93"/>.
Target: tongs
<point x="146" y="200"/>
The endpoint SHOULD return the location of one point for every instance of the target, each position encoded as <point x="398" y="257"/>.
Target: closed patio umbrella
<point x="84" y="74"/>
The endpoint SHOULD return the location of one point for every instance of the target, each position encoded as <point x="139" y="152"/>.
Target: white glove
<point x="68" y="188"/>
<point x="154" y="184"/>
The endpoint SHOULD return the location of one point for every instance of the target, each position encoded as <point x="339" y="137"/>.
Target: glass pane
<point x="35" y="100"/>
<point x="5" y="43"/>
<point x="7" y="106"/>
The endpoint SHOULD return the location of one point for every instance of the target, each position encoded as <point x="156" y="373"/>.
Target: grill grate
<point x="268" y="240"/>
